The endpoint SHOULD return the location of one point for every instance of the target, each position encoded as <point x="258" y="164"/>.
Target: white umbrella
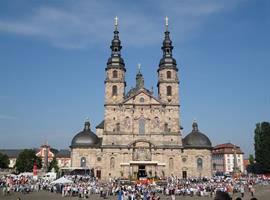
<point x="62" y="180"/>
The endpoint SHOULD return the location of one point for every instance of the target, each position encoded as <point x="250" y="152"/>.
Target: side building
<point x="45" y="152"/>
<point x="227" y="157"/>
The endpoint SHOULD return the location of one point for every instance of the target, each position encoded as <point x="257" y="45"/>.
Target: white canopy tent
<point x="62" y="180"/>
<point x="26" y="174"/>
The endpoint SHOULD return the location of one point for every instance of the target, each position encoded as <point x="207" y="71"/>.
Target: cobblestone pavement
<point x="262" y="193"/>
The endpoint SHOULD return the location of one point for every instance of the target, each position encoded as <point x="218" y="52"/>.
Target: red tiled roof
<point x="226" y="145"/>
<point x="227" y="148"/>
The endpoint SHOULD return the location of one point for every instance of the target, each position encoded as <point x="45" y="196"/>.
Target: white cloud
<point x="84" y="23"/>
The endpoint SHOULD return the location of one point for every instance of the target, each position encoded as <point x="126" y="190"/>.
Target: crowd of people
<point x="85" y="186"/>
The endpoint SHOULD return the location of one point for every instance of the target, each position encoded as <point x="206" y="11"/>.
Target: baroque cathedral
<point x="140" y="135"/>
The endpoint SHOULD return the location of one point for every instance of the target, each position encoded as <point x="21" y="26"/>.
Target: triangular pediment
<point x="142" y="97"/>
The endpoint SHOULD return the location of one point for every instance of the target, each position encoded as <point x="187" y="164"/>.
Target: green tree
<point x="54" y="165"/>
<point x="251" y="159"/>
<point x="255" y="168"/>
<point x="26" y="160"/>
<point x="4" y="161"/>
<point x="262" y="145"/>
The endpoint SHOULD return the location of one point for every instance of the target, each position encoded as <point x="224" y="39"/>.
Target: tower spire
<point x="139" y="78"/>
<point x="167" y="47"/>
<point x="116" y="43"/>
<point x="166" y="23"/>
<point x="168" y="82"/>
<point x="115" y="23"/>
<point x="116" y="47"/>
<point x="115" y="71"/>
<point x="167" y="43"/>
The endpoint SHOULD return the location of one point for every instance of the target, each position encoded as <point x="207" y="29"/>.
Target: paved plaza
<point x="262" y="193"/>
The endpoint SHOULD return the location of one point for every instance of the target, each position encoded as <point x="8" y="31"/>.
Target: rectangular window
<point x="141" y="126"/>
<point x="114" y="90"/>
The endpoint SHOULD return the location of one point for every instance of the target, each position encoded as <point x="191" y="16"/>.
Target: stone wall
<point x="116" y="162"/>
<point x="189" y="160"/>
<point x="124" y="120"/>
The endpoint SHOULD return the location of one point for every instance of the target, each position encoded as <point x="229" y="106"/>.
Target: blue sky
<point x="53" y="56"/>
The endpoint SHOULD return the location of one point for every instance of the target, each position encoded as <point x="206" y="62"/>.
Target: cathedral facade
<point x="141" y="133"/>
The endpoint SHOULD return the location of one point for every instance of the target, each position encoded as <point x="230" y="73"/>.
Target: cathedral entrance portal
<point x="98" y="174"/>
<point x="142" y="165"/>
<point x="184" y="174"/>
<point x="141" y="171"/>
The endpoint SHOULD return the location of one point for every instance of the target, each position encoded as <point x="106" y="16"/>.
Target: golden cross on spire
<point x="166" y="22"/>
<point x="116" y="22"/>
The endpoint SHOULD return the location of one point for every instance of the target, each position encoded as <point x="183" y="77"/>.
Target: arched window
<point x="114" y="90"/>
<point x="169" y="74"/>
<point x="171" y="163"/>
<point x="112" y="163"/>
<point x="118" y="127"/>
<point x="166" y="127"/>
<point x="156" y="122"/>
<point x="115" y="74"/>
<point x="83" y="162"/>
<point x="199" y="163"/>
<point x="127" y="122"/>
<point x="169" y="90"/>
<point x="141" y="126"/>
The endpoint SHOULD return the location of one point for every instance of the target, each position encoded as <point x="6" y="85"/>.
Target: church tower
<point x="115" y="72"/>
<point x="114" y="85"/>
<point x="168" y="83"/>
